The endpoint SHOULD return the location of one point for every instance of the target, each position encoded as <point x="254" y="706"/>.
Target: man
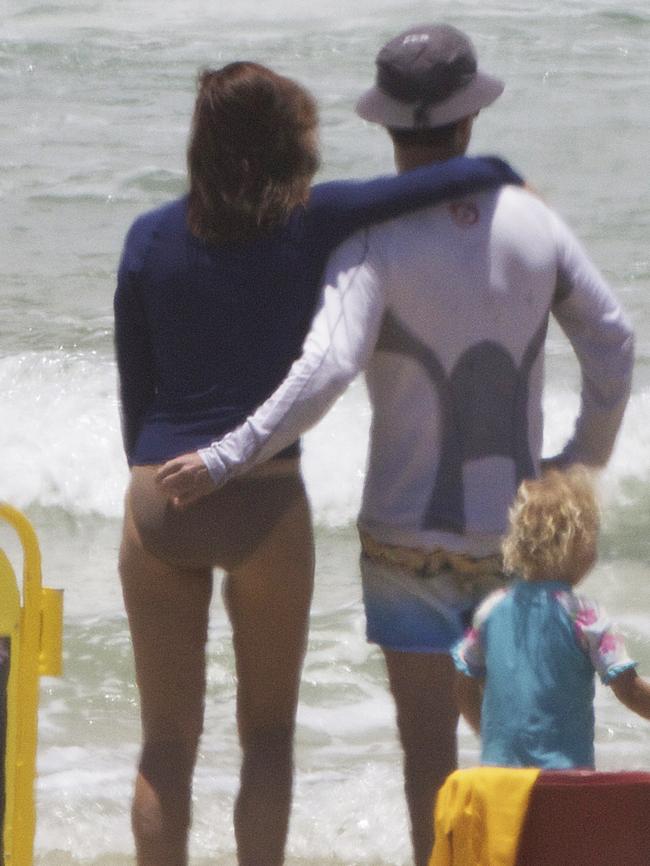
<point x="446" y="310"/>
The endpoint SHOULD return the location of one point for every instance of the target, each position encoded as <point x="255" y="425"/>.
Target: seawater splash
<point x="59" y="437"/>
<point x="60" y="442"/>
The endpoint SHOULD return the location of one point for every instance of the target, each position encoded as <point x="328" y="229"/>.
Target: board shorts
<point x="422" y="601"/>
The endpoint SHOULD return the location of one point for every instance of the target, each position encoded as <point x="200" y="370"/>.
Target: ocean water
<point x="93" y="128"/>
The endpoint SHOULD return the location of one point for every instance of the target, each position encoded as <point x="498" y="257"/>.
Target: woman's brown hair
<point x="252" y="152"/>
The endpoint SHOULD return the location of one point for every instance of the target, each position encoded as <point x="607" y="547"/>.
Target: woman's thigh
<point x="268" y="599"/>
<point x="167" y="608"/>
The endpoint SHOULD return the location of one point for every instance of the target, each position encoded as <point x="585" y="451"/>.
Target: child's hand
<point x="469" y="696"/>
<point x="633" y="692"/>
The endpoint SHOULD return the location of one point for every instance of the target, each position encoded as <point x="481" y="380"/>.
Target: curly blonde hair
<point x="554" y="523"/>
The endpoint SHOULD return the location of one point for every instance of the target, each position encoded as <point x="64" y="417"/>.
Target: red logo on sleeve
<point x="464" y="213"/>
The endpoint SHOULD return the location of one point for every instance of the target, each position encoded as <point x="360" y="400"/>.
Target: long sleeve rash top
<point x="447" y="310"/>
<point x="204" y="333"/>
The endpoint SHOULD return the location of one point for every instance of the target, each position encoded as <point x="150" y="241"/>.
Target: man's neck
<point x="407" y="158"/>
<point x="411" y="153"/>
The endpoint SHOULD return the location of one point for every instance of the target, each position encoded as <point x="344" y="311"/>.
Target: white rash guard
<point x="446" y="309"/>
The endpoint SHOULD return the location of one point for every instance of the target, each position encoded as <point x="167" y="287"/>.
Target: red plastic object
<point x="586" y="818"/>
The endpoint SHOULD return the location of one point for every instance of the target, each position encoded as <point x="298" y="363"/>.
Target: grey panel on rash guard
<point x="563" y="286"/>
<point x="483" y="410"/>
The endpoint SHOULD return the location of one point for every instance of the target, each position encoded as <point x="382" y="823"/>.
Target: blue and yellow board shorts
<point x="422" y="601"/>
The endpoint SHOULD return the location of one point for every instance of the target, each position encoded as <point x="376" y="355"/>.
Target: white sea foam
<point x="59" y="437"/>
<point x="60" y="442"/>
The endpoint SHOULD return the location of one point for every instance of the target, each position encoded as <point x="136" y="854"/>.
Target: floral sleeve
<point x="469" y="654"/>
<point x="593" y="631"/>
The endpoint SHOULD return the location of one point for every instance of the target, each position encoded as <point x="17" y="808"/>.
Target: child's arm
<point x="469" y="696"/>
<point x="468" y="656"/>
<point x="632" y="691"/>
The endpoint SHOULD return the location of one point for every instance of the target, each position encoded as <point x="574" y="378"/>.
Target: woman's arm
<point x="133" y="355"/>
<point x="633" y="692"/>
<point x="339" y="208"/>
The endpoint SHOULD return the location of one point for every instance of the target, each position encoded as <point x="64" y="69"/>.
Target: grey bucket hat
<point x="427" y="76"/>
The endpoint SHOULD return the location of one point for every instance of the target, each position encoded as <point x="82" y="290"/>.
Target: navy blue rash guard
<point x="205" y="333"/>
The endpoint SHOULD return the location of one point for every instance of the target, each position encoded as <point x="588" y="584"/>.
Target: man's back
<point x="456" y="377"/>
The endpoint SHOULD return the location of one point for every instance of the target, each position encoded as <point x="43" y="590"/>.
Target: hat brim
<point x="377" y="107"/>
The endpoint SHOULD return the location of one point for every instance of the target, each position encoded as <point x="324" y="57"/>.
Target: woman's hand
<point x="185" y="479"/>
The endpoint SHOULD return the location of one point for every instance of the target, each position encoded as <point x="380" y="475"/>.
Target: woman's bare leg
<point x="259" y="530"/>
<point x="422" y="685"/>
<point x="268" y="599"/>
<point x="167" y="608"/>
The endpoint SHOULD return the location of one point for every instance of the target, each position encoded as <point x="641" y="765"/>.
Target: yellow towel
<point x="479" y="815"/>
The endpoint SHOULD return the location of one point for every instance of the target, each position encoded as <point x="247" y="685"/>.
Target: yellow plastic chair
<point x="33" y="632"/>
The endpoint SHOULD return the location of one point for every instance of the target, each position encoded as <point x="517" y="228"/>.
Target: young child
<point x="527" y="665"/>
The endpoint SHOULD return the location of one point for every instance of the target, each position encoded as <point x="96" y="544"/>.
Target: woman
<point x="215" y="293"/>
